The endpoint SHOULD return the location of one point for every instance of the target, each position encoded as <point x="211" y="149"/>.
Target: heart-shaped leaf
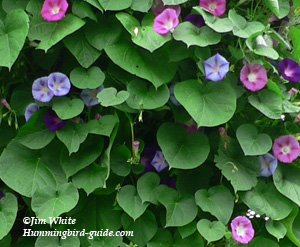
<point x="280" y="8"/>
<point x="181" y="149"/>
<point x="211" y="231"/>
<point x="276" y="228"/>
<point x="115" y="4"/>
<point x="146" y="186"/>
<point x="110" y="97"/>
<point x="87" y="79"/>
<point x="57" y="242"/>
<point x="251" y="141"/>
<point x="67" y="108"/>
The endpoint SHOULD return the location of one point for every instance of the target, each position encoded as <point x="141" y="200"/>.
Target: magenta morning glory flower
<point x="268" y="165"/>
<point x="166" y="22"/>
<point x="40" y="90"/>
<point x="242" y="230"/>
<point x="254" y="77"/>
<point x="196" y="20"/>
<point x="54" y="10"/>
<point x="216" y="68"/>
<point x="59" y="84"/>
<point x="215" y="7"/>
<point x="89" y="96"/>
<point x="30" y="110"/>
<point x="290" y="70"/>
<point x="286" y="149"/>
<point x="159" y="162"/>
<point x="53" y="122"/>
<point x="158" y="7"/>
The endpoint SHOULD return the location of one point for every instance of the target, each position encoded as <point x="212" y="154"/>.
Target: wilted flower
<point x="215" y="7"/>
<point x="254" y="77"/>
<point x="286" y="149"/>
<point x="290" y="70"/>
<point x="216" y="68"/>
<point x="166" y="22"/>
<point x="54" y="10"/>
<point x="173" y="99"/>
<point x="89" y="96"/>
<point x="5" y="104"/>
<point x="59" y="84"/>
<point x="40" y="90"/>
<point x="158" y="7"/>
<point x="268" y="165"/>
<point x="159" y="162"/>
<point x="293" y="91"/>
<point x="242" y="230"/>
<point x="53" y="122"/>
<point x="135" y="147"/>
<point x="30" y="109"/>
<point x="196" y="20"/>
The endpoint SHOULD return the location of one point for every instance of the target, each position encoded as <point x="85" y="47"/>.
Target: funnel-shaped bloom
<point x="268" y="164"/>
<point x="89" y="96"/>
<point x="159" y="162"/>
<point x="53" y="122"/>
<point x="30" y="109"/>
<point x="40" y="90"/>
<point x="216" y="68"/>
<point x="59" y="84"/>
<point x="290" y="70"/>
<point x="254" y="77"/>
<point x="166" y="22"/>
<point x="242" y="230"/>
<point x="196" y="20"/>
<point x="286" y="149"/>
<point x="54" y="10"/>
<point x="215" y="7"/>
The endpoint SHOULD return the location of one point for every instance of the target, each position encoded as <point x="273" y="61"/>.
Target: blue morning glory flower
<point x="159" y="162"/>
<point x="89" y="96"/>
<point x="268" y="165"/>
<point x="216" y="68"/>
<point x="30" y="110"/>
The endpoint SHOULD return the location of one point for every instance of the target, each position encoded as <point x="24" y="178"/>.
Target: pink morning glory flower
<point x="40" y="90"/>
<point x="268" y="165"/>
<point x="59" y="84"/>
<point x="30" y="110"/>
<point x="54" y="10"/>
<point x="166" y="22"/>
<point x="286" y="149"/>
<point x="290" y="70"/>
<point x="158" y="7"/>
<point x="254" y="77"/>
<point x="242" y="230"/>
<point x="159" y="162"/>
<point x="215" y="7"/>
<point x="53" y="122"/>
<point x="89" y="96"/>
<point x="216" y="68"/>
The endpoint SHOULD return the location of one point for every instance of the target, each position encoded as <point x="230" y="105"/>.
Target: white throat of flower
<point x="240" y="230"/>
<point x="55" y="10"/>
<point x="286" y="149"/>
<point x="169" y="26"/>
<point x="252" y="77"/>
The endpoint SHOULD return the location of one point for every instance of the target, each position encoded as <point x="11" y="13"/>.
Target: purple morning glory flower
<point x="159" y="162"/>
<point x="196" y="20"/>
<point x="268" y="165"/>
<point x="290" y="70"/>
<point x="242" y="230"/>
<point x="30" y="109"/>
<point x="59" y="84"/>
<point x="216" y="67"/>
<point x="254" y="77"/>
<point x="147" y="157"/>
<point x="89" y="96"/>
<point x="40" y="90"/>
<point x="173" y="99"/>
<point x="169" y="181"/>
<point x="53" y="122"/>
<point x="166" y="22"/>
<point x="286" y="149"/>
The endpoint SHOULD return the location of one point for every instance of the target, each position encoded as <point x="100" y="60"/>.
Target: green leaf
<point x="145" y="96"/>
<point x="6" y="241"/>
<point x="72" y="136"/>
<point x="251" y="141"/>
<point x="162" y="238"/>
<point x="96" y="4"/>
<point x="181" y="149"/>
<point x="18" y="163"/>
<point x="115" y="4"/>
<point x="192" y="35"/>
<point x="104" y="126"/>
<point x="280" y="8"/>
<point x="13" y="32"/>
<point x="294" y="35"/>
<point x="8" y="213"/>
<point x="51" y="33"/>
<point x="83" y="9"/>
<point x="261" y="241"/>
<point x="153" y="67"/>
<point x="218" y="201"/>
<point x="276" y="229"/>
<point x="187" y="230"/>
<point x="146" y="186"/>
<point x="289" y="223"/>
<point x="57" y="242"/>
<point x="87" y="79"/>
<point x="129" y="200"/>
<point x="107" y="242"/>
<point x="211" y="231"/>
<point x="110" y="97"/>
<point x="141" y="5"/>
<point x="205" y="103"/>
<point x="119" y="161"/>
<point x="286" y="180"/>
<point x="265" y="199"/>
<point x="194" y="240"/>
<point x="260" y="49"/>
<point x="173" y="2"/>
<point x="8" y="5"/>
<point x="67" y="108"/>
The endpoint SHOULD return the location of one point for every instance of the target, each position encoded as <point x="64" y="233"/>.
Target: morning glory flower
<point x="286" y="149"/>
<point x="268" y="165"/>
<point x="53" y="122"/>
<point x="290" y="70"/>
<point x="215" y="7"/>
<point x="216" y="68"/>
<point x="30" y="110"/>
<point x="196" y="20"/>
<point x="159" y="162"/>
<point x="173" y="99"/>
<point x="169" y="181"/>
<point x="40" y="90"/>
<point x="158" y="7"/>
<point x="166" y="22"/>
<point x="59" y="84"/>
<point x="54" y="10"/>
<point x="254" y="77"/>
<point x="242" y="230"/>
<point x="89" y="96"/>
